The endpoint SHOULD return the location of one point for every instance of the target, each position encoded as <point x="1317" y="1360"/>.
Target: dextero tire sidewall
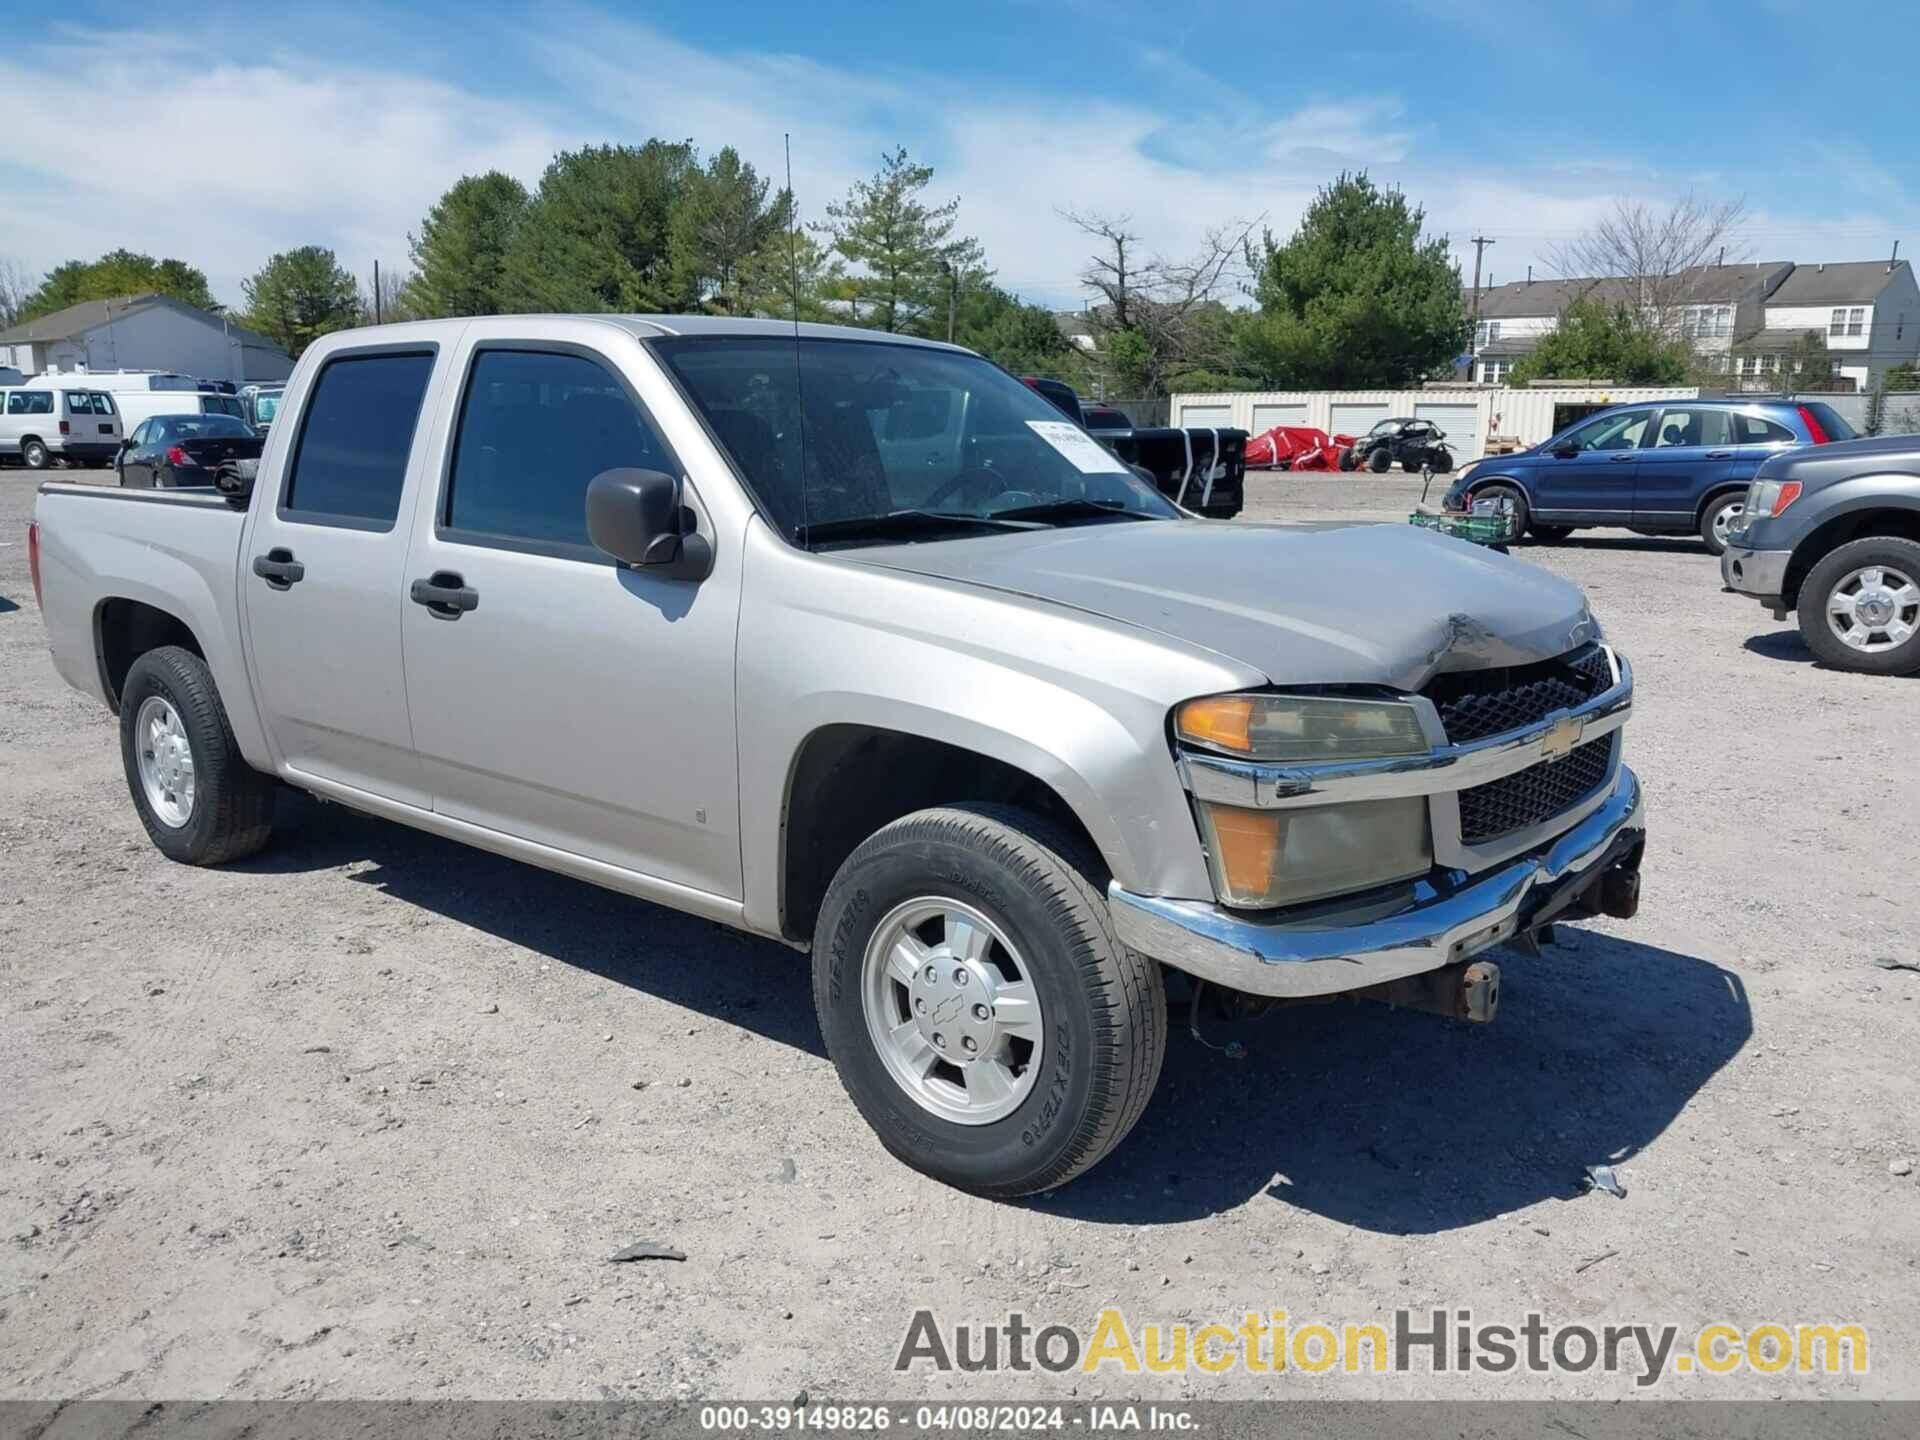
<point x="998" y="1157"/>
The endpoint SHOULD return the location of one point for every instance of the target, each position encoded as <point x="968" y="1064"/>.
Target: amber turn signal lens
<point x="1246" y="846"/>
<point x="1222" y="720"/>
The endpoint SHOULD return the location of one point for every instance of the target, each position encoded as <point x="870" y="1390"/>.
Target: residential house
<point x="1715" y="305"/>
<point x="1867" y="311"/>
<point x="144" y="332"/>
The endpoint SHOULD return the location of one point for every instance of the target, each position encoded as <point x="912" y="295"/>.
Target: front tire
<point x="201" y="803"/>
<point x="1718" y="517"/>
<point x="34" y="455"/>
<point x="1380" y="461"/>
<point x="977" y="936"/>
<point x="1860" y="607"/>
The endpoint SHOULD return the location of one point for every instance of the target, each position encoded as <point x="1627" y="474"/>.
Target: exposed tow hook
<point x="1620" y="893"/>
<point x="1466" y="991"/>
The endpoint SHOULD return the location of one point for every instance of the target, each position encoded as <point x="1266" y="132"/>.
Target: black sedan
<point x="173" y="450"/>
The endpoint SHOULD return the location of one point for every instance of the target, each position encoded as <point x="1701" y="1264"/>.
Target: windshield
<point x="891" y="428"/>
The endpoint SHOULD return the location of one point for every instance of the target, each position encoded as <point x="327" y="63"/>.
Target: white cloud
<point x="298" y="147"/>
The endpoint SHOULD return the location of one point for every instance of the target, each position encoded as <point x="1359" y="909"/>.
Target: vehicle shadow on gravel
<point x="1790" y="645"/>
<point x="756" y="984"/>
<point x="1645" y="544"/>
<point x="1405" y="1123"/>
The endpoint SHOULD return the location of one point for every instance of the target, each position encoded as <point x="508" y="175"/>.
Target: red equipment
<point x="1296" y="447"/>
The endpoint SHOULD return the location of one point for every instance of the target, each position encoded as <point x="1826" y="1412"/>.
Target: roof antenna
<point x="793" y="306"/>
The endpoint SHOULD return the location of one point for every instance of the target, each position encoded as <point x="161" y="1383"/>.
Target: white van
<point x="138" y="405"/>
<point x="114" y="380"/>
<point x="71" y="423"/>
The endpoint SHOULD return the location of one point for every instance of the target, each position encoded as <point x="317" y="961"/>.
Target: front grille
<point x="1474" y="704"/>
<point x="1537" y="793"/>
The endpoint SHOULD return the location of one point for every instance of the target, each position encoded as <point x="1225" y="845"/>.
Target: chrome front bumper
<point x="1348" y="947"/>
<point x="1761" y="573"/>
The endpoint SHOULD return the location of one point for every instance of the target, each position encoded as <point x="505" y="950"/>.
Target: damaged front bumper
<point x="1592" y="867"/>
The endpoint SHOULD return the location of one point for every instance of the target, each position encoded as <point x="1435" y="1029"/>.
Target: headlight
<point x="1262" y="858"/>
<point x="1301" y="729"/>
<point x="1267" y="857"/>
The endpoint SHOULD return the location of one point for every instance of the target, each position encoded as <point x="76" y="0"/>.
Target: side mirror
<point x="1564" y="452"/>
<point x="641" y="519"/>
<point x="126" y="442"/>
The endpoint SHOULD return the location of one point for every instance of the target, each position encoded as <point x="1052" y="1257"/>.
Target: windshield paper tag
<point x="1089" y="457"/>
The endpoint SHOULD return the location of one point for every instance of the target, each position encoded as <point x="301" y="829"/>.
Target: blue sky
<point x="239" y="130"/>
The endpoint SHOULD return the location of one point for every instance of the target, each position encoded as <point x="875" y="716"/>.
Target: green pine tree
<point x="300" y="295"/>
<point x="461" y="251"/>
<point x="901" y="245"/>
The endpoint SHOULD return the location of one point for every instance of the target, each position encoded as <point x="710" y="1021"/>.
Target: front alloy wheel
<point x="982" y="1014"/>
<point x="951" y="1011"/>
<point x="1860" y="607"/>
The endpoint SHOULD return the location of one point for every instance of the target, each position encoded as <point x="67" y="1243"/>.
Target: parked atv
<point x="1411" y="442"/>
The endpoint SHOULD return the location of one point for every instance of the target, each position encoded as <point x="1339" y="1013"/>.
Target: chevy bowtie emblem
<point x="1561" y="737"/>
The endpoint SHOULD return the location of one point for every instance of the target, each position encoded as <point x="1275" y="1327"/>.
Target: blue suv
<point x="1673" y="467"/>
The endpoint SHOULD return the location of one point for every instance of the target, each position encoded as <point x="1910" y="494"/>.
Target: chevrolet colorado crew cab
<point x="855" y="642"/>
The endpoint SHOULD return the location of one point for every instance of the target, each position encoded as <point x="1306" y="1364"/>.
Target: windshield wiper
<point x="1071" y="510"/>
<point x="903" y="522"/>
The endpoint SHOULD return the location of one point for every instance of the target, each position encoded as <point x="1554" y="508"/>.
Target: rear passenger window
<point x="535" y="428"/>
<point x="1752" y="430"/>
<point x="351" y="458"/>
<point x="1704" y="426"/>
<point x="79" y="402"/>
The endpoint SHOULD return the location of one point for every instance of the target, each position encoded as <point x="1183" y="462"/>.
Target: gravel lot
<point x="367" y="1115"/>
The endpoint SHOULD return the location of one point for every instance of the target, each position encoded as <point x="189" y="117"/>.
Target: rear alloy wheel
<point x="1860" y="607"/>
<point x="33" y="454"/>
<point x="983" y="1016"/>
<point x="200" y="801"/>
<point x="1717" y="519"/>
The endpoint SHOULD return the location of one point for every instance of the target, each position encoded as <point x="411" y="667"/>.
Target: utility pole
<point x="376" y="292"/>
<point x="953" y="294"/>
<point x="1480" y="243"/>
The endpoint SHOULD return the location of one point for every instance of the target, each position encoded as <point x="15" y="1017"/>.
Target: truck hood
<point x="1362" y="604"/>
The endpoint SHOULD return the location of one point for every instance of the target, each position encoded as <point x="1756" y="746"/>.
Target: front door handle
<point x="1719" y="454"/>
<point x="445" y="593"/>
<point x="279" y="569"/>
<point x="1620" y="459"/>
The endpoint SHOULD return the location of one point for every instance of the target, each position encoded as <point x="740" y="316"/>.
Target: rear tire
<point x="1880" y="609"/>
<point x="1717" y="516"/>
<point x="201" y="802"/>
<point x="1096" y="1025"/>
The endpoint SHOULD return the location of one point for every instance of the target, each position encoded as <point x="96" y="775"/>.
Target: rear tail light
<point x="65" y="428"/>
<point x="177" y="456"/>
<point x="33" y="561"/>
<point x="1814" y="428"/>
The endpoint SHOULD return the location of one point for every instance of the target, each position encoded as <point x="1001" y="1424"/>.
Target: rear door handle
<point x="279" y="569"/>
<point x="1719" y="454"/>
<point x="446" y="593"/>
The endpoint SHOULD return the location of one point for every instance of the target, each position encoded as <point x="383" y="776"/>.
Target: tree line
<point x="1357" y="296"/>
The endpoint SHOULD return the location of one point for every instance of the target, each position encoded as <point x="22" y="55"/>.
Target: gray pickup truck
<point x="1833" y="531"/>
<point x="854" y="642"/>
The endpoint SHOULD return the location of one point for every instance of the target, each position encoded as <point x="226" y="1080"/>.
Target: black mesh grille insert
<point x="1535" y="794"/>
<point x="1474" y="704"/>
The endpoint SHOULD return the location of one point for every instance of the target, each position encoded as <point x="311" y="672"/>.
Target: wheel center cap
<point x="953" y="1009"/>
<point x="1876" y="607"/>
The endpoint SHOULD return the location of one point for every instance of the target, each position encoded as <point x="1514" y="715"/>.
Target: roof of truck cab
<point x="647" y="327"/>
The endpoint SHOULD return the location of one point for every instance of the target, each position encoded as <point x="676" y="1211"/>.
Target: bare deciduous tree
<point x="1659" y="255"/>
<point x="15" y="287"/>
<point x="1170" y="309"/>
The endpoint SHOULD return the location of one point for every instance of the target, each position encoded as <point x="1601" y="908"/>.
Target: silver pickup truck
<point x="855" y="642"/>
